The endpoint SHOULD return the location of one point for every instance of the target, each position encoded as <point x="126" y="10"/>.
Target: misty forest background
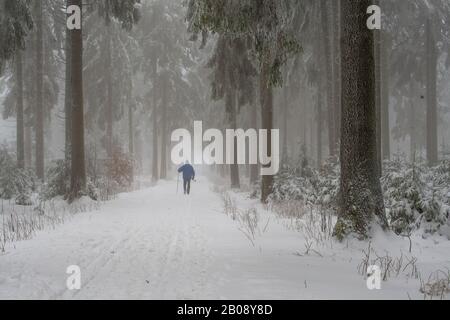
<point x="363" y="114"/>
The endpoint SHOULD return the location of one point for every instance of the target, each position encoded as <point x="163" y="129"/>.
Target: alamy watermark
<point x="73" y="281"/>
<point x="251" y="147"/>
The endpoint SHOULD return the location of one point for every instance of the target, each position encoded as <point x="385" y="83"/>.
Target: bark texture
<point x="78" y="166"/>
<point x="361" y="201"/>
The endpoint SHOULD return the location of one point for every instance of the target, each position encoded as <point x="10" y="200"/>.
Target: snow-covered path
<point x="155" y="244"/>
<point x="147" y="244"/>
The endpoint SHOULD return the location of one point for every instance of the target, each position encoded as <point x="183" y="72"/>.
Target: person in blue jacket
<point x="188" y="175"/>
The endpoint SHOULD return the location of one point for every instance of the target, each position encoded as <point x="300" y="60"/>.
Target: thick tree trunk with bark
<point x="266" y="96"/>
<point x="19" y="111"/>
<point x="78" y="167"/>
<point x="432" y="58"/>
<point x="377" y="56"/>
<point x="361" y="200"/>
<point x="68" y="96"/>
<point x="39" y="114"/>
<point x="385" y="120"/>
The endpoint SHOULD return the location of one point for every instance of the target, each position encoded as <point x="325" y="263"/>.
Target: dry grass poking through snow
<point x="19" y="223"/>
<point x="437" y="285"/>
<point x="249" y="220"/>
<point x="316" y="224"/>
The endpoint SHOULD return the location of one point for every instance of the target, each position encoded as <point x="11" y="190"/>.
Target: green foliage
<point x="15" y="183"/>
<point x="126" y="11"/>
<point x="15" y="22"/>
<point x="120" y="169"/>
<point x="416" y="196"/>
<point x="58" y="181"/>
<point x="304" y="183"/>
<point x="267" y="24"/>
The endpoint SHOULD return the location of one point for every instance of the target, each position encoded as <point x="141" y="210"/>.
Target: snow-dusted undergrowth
<point x="417" y="198"/>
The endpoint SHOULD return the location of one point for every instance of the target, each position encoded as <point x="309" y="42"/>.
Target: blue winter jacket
<point x="188" y="172"/>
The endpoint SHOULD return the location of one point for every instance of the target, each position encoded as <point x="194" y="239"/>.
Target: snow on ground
<point x="156" y="244"/>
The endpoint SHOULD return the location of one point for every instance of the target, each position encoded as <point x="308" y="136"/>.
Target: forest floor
<point x="157" y="244"/>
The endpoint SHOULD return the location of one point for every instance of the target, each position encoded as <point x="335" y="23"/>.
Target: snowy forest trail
<point x="157" y="244"/>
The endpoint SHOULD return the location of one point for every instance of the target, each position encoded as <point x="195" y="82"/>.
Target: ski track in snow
<point x="156" y="244"/>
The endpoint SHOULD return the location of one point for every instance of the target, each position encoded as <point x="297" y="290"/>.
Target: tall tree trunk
<point x="319" y="123"/>
<point x="39" y="114"/>
<point x="131" y="138"/>
<point x="319" y="63"/>
<point x="385" y="125"/>
<point x="328" y="71"/>
<point x="266" y="95"/>
<point x="28" y="142"/>
<point x="285" y="125"/>
<point x="155" y="168"/>
<point x="361" y="200"/>
<point x="254" y="175"/>
<point x="412" y="125"/>
<point x="78" y="167"/>
<point x="109" y="102"/>
<point x="337" y="69"/>
<point x="164" y="106"/>
<point x="231" y="101"/>
<point x="68" y="96"/>
<point x="377" y="56"/>
<point x="19" y="111"/>
<point x="432" y="57"/>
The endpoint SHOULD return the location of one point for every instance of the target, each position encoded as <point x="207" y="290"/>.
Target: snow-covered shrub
<point x="304" y="183"/>
<point x="413" y="197"/>
<point x="120" y="169"/>
<point x="291" y="184"/>
<point x="328" y="184"/>
<point x="58" y="181"/>
<point x="15" y="183"/>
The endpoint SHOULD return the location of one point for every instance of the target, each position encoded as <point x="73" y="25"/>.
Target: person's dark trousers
<point x="187" y="186"/>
